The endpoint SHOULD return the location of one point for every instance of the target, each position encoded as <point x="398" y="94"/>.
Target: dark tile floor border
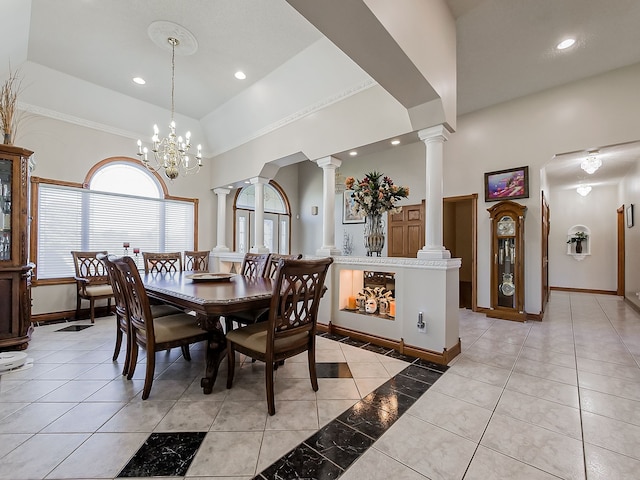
<point x="333" y="448"/>
<point x="329" y="452"/>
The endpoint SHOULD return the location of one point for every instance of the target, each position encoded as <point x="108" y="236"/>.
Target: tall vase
<point x="578" y="246"/>
<point x="373" y="235"/>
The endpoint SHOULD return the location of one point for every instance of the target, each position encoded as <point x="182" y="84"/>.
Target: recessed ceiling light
<point x="395" y="142"/>
<point x="240" y="75"/>
<point x="247" y="181"/>
<point x="353" y="153"/>
<point x="230" y="186"/>
<point x="566" y="43"/>
<point x="139" y="80"/>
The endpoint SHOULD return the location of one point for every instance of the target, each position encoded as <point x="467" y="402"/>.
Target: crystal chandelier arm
<point x="171" y="153"/>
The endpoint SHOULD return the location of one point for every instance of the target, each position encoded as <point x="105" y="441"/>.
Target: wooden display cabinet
<point x="15" y="269"/>
<point x="507" y="267"/>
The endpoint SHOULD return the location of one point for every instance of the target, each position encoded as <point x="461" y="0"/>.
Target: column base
<point x="433" y="253"/>
<point x="328" y="252"/>
<point x="220" y="249"/>
<point x="259" y="250"/>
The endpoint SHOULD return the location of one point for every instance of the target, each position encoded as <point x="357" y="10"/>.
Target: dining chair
<point x="196" y="260"/>
<point x="291" y="326"/>
<point x="122" y="320"/>
<point x="153" y="334"/>
<point x="253" y="265"/>
<point x="162" y="262"/>
<point x="252" y="316"/>
<point x="92" y="281"/>
<point x="274" y="260"/>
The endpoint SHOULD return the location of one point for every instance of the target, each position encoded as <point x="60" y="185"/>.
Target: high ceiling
<point x="506" y="48"/>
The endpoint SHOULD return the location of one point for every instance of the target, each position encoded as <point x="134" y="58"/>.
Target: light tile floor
<point x="556" y="399"/>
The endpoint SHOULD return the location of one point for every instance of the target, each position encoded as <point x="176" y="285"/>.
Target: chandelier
<point x="583" y="190"/>
<point x="171" y="153"/>
<point x="591" y="163"/>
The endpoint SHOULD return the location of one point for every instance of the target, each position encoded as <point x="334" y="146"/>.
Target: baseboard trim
<point x="535" y="317"/>
<point x="69" y="315"/>
<point x="585" y="290"/>
<point x="441" y="358"/>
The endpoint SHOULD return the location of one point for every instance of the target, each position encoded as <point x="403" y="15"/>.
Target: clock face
<point x="506" y="227"/>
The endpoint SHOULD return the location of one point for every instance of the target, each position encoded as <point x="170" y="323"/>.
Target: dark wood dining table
<point x="210" y="299"/>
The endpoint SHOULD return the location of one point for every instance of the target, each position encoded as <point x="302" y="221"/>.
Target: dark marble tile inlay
<point x="421" y="373"/>
<point x="389" y="400"/>
<point x="377" y="349"/>
<point x="339" y="443"/>
<point x="369" y="416"/>
<point x="400" y="356"/>
<point x="407" y="386"/>
<point x="301" y="463"/>
<point x="74" y="328"/>
<point x="431" y="365"/>
<point x="333" y="370"/>
<point x="333" y="336"/>
<point x="164" y="455"/>
<point x="354" y="342"/>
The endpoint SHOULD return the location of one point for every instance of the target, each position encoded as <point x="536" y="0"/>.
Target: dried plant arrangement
<point x="8" y="104"/>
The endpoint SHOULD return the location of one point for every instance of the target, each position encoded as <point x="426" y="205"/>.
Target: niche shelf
<point x="586" y="244"/>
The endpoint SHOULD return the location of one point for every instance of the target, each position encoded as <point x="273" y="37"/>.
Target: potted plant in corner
<point x="578" y="238"/>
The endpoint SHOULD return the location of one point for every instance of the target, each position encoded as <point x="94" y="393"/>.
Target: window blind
<point x="79" y="219"/>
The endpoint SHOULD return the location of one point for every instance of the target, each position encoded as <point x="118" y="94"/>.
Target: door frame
<point x="621" y="250"/>
<point x="473" y="198"/>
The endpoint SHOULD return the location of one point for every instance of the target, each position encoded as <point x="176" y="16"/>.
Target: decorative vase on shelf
<point x="578" y="246"/>
<point x="7" y="139"/>
<point x="373" y="235"/>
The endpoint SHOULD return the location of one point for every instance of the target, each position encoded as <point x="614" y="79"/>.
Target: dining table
<point x="210" y="296"/>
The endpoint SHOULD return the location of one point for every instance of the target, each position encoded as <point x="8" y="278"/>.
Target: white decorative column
<point x="434" y="139"/>
<point x="222" y="219"/>
<point x="259" y="246"/>
<point x="328" y="165"/>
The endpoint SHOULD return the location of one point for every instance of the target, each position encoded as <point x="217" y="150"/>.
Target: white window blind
<point x="80" y="219"/>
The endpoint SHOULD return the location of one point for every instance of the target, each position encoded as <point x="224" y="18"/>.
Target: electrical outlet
<point x="422" y="326"/>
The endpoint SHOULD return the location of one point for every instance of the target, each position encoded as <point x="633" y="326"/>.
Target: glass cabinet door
<point x="506" y="262"/>
<point x="6" y="178"/>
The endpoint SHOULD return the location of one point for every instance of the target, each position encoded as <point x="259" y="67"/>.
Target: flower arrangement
<point x="8" y="101"/>
<point x="578" y="237"/>
<point x="376" y="193"/>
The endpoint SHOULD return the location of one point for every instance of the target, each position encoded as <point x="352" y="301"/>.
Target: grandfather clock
<point x="507" y="261"/>
<point x="15" y="269"/>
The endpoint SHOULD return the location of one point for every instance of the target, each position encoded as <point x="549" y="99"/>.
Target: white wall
<point x="630" y="194"/>
<point x="66" y="152"/>
<point x="596" y="211"/>
<point x="404" y="164"/>
<point x="599" y="111"/>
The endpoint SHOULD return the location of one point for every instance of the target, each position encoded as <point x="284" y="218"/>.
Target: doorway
<point x="459" y="221"/>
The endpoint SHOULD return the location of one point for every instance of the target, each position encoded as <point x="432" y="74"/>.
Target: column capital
<point x="437" y="133"/>
<point x="262" y="180"/>
<point x="221" y="191"/>
<point x="328" y="162"/>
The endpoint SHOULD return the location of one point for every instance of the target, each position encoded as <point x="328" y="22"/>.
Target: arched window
<point x="121" y="206"/>
<point x="126" y="178"/>
<point x="277" y="219"/>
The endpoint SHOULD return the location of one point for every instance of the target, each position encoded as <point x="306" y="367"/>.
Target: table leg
<point x="216" y="351"/>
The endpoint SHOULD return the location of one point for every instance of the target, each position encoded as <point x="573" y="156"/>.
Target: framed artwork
<point x="506" y="184"/>
<point x="629" y="215"/>
<point x="350" y="213"/>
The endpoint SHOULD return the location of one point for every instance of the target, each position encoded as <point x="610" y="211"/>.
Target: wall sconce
<point x="583" y="190"/>
<point x="314" y="210"/>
